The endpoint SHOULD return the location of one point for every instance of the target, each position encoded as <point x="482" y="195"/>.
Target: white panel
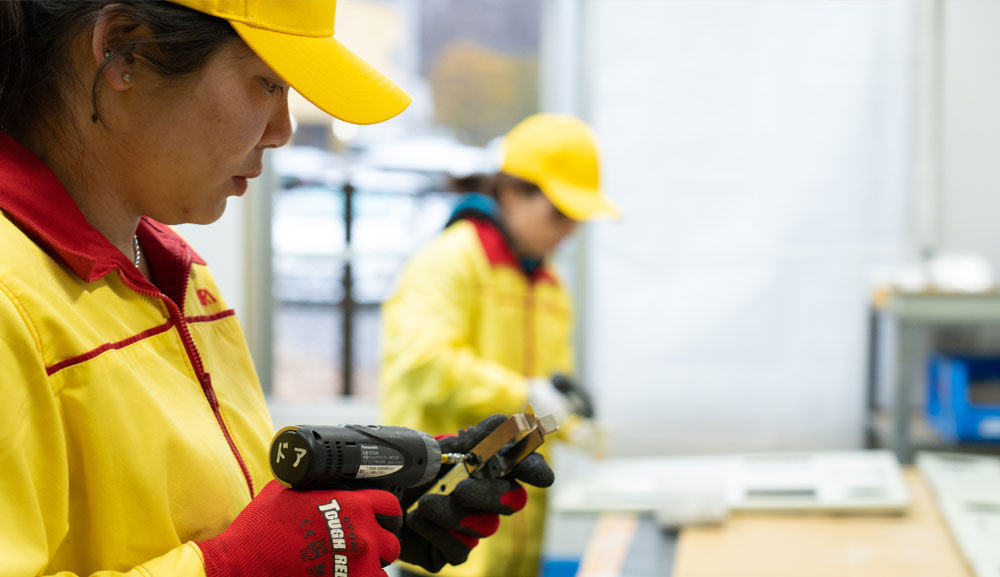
<point x="971" y="126"/>
<point x="967" y="489"/>
<point x="869" y="481"/>
<point x="758" y="149"/>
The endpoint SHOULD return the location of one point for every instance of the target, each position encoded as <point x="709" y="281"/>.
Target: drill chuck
<point x="334" y="457"/>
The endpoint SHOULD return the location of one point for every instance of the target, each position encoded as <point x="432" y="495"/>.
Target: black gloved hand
<point x="580" y="400"/>
<point x="444" y="528"/>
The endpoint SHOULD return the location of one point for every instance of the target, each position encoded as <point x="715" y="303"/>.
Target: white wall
<point x="759" y="151"/>
<point x="969" y="205"/>
<point x="221" y="245"/>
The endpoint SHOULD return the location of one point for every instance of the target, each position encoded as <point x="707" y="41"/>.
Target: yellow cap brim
<point x="327" y="74"/>
<point x="580" y="203"/>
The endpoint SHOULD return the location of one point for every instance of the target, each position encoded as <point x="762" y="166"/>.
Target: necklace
<point x="138" y="253"/>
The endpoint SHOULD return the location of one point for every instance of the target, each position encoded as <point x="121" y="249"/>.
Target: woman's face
<point x="534" y="223"/>
<point x="180" y="150"/>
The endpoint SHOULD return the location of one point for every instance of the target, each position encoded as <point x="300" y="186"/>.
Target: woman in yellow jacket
<point x="480" y="321"/>
<point x="133" y="431"/>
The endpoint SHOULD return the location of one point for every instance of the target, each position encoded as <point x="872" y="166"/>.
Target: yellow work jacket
<point x="463" y="332"/>
<point x="131" y="419"/>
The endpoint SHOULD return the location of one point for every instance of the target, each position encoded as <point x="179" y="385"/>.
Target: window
<point x="355" y="202"/>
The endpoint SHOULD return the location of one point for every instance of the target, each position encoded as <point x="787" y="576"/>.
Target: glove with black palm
<point x="443" y="529"/>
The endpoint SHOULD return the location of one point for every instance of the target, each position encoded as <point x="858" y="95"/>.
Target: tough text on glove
<point x="331" y="511"/>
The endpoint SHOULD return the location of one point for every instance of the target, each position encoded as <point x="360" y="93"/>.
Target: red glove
<point x="285" y="533"/>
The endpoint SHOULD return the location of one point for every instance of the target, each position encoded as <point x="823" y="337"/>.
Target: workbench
<point x="916" y="544"/>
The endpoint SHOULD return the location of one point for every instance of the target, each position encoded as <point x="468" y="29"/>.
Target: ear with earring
<point x="126" y="77"/>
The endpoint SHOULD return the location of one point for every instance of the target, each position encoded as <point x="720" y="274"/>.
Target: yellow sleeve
<point x="34" y="472"/>
<point x="432" y="377"/>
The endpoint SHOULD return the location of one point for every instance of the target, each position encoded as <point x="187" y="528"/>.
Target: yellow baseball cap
<point x="558" y="153"/>
<point x="295" y="38"/>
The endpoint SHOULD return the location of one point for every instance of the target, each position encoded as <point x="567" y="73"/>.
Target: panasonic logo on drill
<point x="332" y="513"/>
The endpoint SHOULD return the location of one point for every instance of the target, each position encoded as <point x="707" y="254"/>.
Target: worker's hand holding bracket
<point x="443" y="529"/>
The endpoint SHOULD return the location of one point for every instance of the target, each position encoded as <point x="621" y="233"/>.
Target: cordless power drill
<point x="310" y="457"/>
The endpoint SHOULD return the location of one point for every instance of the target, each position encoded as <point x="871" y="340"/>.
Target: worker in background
<point x="481" y="323"/>
<point x="133" y="430"/>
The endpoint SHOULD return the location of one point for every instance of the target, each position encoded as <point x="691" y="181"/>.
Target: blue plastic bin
<point x="560" y="566"/>
<point x="949" y="408"/>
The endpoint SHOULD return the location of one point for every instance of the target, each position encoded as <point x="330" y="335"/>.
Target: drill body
<point x="311" y="457"/>
<point x="314" y="457"/>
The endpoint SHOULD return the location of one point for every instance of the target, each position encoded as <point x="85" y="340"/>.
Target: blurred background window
<point x="353" y="203"/>
<point x="778" y="162"/>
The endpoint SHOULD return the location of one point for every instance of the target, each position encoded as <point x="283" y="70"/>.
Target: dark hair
<point x="490" y="184"/>
<point x="36" y="37"/>
<point x="502" y="180"/>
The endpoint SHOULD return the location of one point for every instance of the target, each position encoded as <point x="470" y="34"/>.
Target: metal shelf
<point x="923" y="437"/>
<point x="944" y="308"/>
<point x="896" y="427"/>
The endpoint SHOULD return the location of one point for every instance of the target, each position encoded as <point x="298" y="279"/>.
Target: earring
<point x="126" y="77"/>
<point x="107" y="53"/>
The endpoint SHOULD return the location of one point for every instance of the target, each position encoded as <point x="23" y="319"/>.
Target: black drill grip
<point x="312" y="457"/>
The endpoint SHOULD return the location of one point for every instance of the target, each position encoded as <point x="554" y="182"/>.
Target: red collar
<point x="32" y="196"/>
<point x="498" y="252"/>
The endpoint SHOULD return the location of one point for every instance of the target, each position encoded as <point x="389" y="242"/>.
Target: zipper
<point x="519" y="529"/>
<point x="528" y="362"/>
<point x="204" y="378"/>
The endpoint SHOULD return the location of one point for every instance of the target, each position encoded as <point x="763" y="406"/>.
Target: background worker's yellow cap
<point x="295" y="38"/>
<point x="558" y="154"/>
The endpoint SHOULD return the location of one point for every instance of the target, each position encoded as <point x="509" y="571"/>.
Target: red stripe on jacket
<point x="499" y="253"/>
